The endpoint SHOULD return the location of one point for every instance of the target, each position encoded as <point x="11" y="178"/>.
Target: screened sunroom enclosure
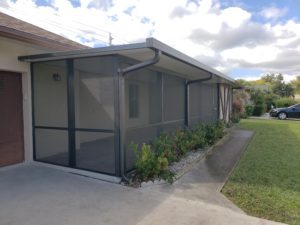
<point x="90" y="105"/>
<point x="74" y="116"/>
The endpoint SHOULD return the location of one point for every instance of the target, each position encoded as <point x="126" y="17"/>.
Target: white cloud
<point x="273" y="12"/>
<point x="234" y="17"/>
<point x="252" y="55"/>
<point x="224" y="38"/>
<point x="288" y="78"/>
<point x="249" y="78"/>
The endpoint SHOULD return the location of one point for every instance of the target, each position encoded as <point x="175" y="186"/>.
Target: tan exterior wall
<point x="9" y="51"/>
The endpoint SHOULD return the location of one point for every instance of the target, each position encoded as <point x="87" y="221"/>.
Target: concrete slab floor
<point x="37" y="195"/>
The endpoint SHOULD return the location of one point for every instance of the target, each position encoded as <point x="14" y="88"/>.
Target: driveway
<point x="37" y="195"/>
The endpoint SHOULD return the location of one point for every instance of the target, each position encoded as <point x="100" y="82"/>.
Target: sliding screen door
<point x="74" y="117"/>
<point x="51" y="112"/>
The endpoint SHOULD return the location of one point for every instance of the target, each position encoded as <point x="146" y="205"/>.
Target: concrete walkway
<point x="205" y="181"/>
<point x="36" y="195"/>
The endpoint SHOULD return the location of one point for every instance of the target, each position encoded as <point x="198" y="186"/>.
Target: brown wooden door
<point x="11" y="119"/>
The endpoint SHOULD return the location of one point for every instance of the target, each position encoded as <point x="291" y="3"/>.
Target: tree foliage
<point x="283" y="89"/>
<point x="272" y="78"/>
<point x="266" y="91"/>
<point x="296" y="84"/>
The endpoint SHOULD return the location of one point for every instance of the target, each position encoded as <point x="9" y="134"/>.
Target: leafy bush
<point x="249" y="110"/>
<point x="285" y="102"/>
<point x="164" y="146"/>
<point x="198" y="137"/>
<point x="214" y="131"/>
<point x="259" y="109"/>
<point x="262" y="101"/>
<point x="152" y="160"/>
<point x="270" y="99"/>
<point x="237" y="108"/>
<point x="258" y="97"/>
<point x="235" y="119"/>
<point x="182" y="143"/>
<point x="150" y="166"/>
<point x="219" y="128"/>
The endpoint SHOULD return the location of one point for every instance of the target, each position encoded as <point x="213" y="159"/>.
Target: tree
<point x="283" y="90"/>
<point x="296" y="83"/>
<point x="269" y="78"/>
<point x="279" y="87"/>
<point x="267" y="90"/>
<point x="243" y="83"/>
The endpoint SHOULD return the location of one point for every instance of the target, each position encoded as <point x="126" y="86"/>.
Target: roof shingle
<point x="14" y="28"/>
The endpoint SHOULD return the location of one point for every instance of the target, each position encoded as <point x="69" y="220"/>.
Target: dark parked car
<point x="288" y="112"/>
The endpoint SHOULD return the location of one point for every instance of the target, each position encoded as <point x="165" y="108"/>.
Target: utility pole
<point x="110" y="38"/>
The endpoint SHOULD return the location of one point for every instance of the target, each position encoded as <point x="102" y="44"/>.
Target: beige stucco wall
<point x="9" y="51"/>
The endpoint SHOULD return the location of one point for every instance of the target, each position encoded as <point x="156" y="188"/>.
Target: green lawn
<point x="266" y="181"/>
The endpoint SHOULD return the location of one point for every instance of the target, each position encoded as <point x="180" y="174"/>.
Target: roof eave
<point x="150" y="43"/>
<point x="111" y="50"/>
<point x="34" y="39"/>
<point x="167" y="50"/>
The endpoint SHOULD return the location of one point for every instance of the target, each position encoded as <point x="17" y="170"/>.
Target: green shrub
<point x="150" y="166"/>
<point x="259" y="109"/>
<point x="163" y="145"/>
<point x="182" y="143"/>
<point x="285" y="102"/>
<point x="198" y="137"/>
<point x="235" y="119"/>
<point x="152" y="160"/>
<point x="270" y="99"/>
<point x="145" y="162"/>
<point x="214" y="131"/>
<point x="258" y="97"/>
<point x="237" y="109"/>
<point x="220" y="126"/>
<point x="249" y="110"/>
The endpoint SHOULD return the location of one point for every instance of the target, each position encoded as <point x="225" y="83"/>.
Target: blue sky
<point x="241" y="38"/>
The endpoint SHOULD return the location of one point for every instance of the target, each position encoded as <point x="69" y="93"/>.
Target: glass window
<point x="297" y="106"/>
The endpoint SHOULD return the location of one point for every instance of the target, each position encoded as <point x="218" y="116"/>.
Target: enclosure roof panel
<point x="171" y="59"/>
